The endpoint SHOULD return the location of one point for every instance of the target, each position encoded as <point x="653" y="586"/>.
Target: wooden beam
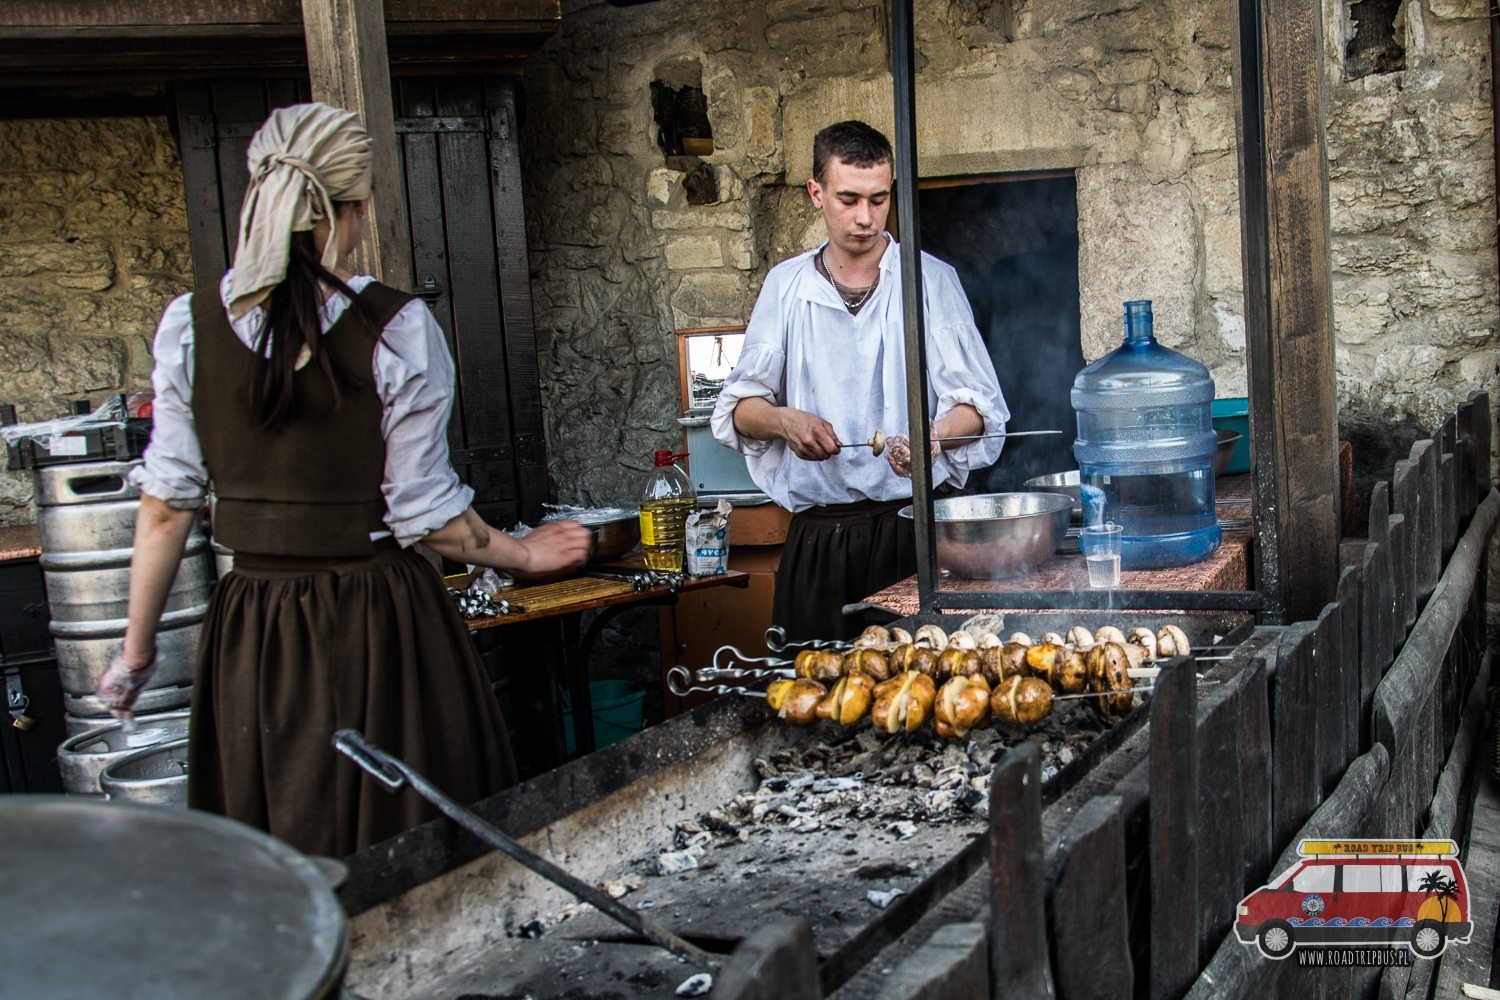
<point x="348" y="68"/>
<point x="203" y="15"/>
<point x="1283" y="174"/>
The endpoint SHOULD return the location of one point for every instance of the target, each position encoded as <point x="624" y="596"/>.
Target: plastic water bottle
<point x="1145" y="448"/>
<point x="665" y="504"/>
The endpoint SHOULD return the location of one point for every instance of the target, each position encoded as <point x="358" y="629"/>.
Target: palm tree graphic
<point x="1435" y="883"/>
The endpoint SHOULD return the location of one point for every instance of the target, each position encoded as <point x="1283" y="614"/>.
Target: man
<point x="824" y="365"/>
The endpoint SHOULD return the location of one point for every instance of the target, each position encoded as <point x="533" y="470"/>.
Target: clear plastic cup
<point x="1101" y="553"/>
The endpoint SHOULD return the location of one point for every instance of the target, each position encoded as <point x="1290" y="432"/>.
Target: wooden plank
<point x="1372" y="653"/>
<point x="1294" y="749"/>
<point x="1401" y="582"/>
<point x="1448" y="465"/>
<point x="1086" y="911"/>
<point x="1429" y="540"/>
<point x="1018" y="927"/>
<point x="1349" y="663"/>
<point x="1255" y="757"/>
<point x="200" y="181"/>
<point x="1380" y="536"/>
<point x="196" y="15"/>
<point x="1406" y="501"/>
<point x="236" y="103"/>
<point x="952" y="965"/>
<point x="1328" y="697"/>
<point x="1401" y="693"/>
<point x="349" y="68"/>
<point x="776" y="962"/>
<point x="1484" y="423"/>
<point x="1174" y="844"/>
<point x="1220" y="824"/>
<point x="514" y="274"/>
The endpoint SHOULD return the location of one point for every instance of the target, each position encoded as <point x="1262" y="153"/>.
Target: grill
<point x="716" y="823"/>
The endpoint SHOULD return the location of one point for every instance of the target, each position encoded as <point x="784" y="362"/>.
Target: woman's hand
<point x="554" y="546"/>
<point x="124" y="679"/>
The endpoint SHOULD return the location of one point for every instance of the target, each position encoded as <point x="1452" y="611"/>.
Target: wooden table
<point x="563" y="603"/>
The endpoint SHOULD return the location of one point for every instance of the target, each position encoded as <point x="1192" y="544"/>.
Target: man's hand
<point x="555" y="546"/>
<point x="808" y="435"/>
<point x="898" y="454"/>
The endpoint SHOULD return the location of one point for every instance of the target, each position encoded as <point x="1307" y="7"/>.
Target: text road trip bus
<point x="1372" y="892"/>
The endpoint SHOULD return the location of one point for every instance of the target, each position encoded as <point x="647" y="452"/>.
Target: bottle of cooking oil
<point x="665" y="504"/>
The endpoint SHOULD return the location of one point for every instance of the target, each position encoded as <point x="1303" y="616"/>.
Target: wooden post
<point x="1174" y="843"/>
<point x="776" y="962"/>
<point x="1086" y="905"/>
<point x="1254" y="755"/>
<point x="348" y="67"/>
<point x="1295" y="779"/>
<point x="1221" y="825"/>
<point x="952" y="965"/>
<point x="1019" y="967"/>
<point x="1283" y="174"/>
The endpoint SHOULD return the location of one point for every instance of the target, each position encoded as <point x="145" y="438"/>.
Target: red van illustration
<point x="1371" y="892"/>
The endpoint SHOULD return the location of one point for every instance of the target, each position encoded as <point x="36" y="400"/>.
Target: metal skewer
<point x="961" y="437"/>
<point x="394" y="773"/>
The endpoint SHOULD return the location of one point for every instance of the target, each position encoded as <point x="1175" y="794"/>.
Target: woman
<point x="317" y="403"/>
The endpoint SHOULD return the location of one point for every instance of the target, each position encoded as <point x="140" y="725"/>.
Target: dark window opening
<point x="1376" y="28"/>
<point x="683" y="131"/>
<point x="1014" y="243"/>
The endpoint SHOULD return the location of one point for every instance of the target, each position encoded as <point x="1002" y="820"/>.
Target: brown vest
<point x="312" y="486"/>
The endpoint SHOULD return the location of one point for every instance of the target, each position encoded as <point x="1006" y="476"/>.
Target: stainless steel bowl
<point x="614" y="538"/>
<point x="1066" y="483"/>
<point x="998" y="535"/>
<point x="1227" y="441"/>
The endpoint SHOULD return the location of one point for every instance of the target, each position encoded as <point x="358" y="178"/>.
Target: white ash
<point x="880" y="899"/>
<point x="696" y="986"/>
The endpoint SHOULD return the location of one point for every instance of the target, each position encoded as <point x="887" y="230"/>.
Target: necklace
<point x="854" y="298"/>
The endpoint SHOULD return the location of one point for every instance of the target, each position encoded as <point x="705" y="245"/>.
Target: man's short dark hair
<point x="853" y="142"/>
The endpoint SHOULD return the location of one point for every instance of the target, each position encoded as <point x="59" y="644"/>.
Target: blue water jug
<point x="1145" y="448"/>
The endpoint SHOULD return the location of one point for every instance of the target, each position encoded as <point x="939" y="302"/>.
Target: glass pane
<point x="1362" y="878"/>
<point x="1314" y="878"/>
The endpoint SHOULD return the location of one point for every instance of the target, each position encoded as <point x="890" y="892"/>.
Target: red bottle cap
<point x="662" y="458"/>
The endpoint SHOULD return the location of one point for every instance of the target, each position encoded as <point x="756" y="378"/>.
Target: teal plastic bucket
<point x="1233" y="414"/>
<point x="619" y="711"/>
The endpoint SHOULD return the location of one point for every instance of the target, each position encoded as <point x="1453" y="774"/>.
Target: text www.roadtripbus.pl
<point x="1338" y="958"/>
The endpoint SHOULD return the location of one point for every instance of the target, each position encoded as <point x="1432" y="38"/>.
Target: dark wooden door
<point x="461" y="179"/>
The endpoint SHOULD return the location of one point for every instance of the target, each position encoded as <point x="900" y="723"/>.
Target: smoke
<point x="1015" y="247"/>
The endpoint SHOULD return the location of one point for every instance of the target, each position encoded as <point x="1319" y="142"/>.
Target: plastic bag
<point x="707" y="536"/>
<point x="46" y="432"/>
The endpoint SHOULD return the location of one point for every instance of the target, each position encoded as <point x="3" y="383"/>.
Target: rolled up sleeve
<point x="758" y="374"/>
<point x="415" y="375"/>
<point x="960" y="371"/>
<point x="173" y="470"/>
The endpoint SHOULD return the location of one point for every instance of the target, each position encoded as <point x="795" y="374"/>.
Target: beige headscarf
<point x="302" y="160"/>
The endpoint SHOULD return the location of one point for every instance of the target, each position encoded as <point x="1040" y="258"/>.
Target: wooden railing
<point x="1359" y="724"/>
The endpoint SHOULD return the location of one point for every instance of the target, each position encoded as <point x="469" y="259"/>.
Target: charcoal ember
<point x="689" y="827"/>
<point x="1065" y="756"/>
<point x="675" y="863"/>
<point x="942" y="799"/>
<point x="903" y="829"/>
<point x="533" y="928"/>
<point x="763" y="768"/>
<point x="783" y="759"/>
<point x="976" y="802"/>
<point x="951" y="777"/>
<point x="924" y="776"/>
<point x="868" y="741"/>
<point x="807" y="824"/>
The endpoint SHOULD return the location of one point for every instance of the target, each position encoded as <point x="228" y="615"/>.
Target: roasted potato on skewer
<point x="962" y="703"/>
<point x="903" y="703"/>
<point x="1022" y="700"/>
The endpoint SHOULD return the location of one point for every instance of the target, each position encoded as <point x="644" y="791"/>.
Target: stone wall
<point x="1134" y="96"/>
<point x="93" y="244"/>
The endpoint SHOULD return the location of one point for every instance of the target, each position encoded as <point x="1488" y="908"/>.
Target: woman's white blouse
<point x="804" y="349"/>
<point x="413" y="375"/>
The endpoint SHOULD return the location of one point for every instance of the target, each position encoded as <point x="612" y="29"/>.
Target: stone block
<point x="1166" y="146"/>
<point x="126" y="200"/>
<point x="762" y="123"/>
<point x="704" y="297"/>
<point x="166" y="254"/>
<point x="1127" y="69"/>
<point x="664" y="187"/>
<point x="1454" y="10"/>
<point x="739" y="251"/>
<point x="47" y="370"/>
<point x="729" y="217"/>
<point x="687" y="253"/>
<point x="57" y="259"/>
<point x="1074" y="84"/>
<point x="16" y="490"/>
<point x="726" y="106"/>
<point x="1137" y="240"/>
<point x="1133" y="98"/>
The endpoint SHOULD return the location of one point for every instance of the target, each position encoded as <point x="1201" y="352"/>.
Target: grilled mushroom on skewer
<point x="823" y="665"/>
<point x="872" y="662"/>
<point x="903" y="702"/>
<point x="1172" y="641"/>
<point x="1146" y="639"/>
<point x="796" y="701"/>
<point x="1109" y="634"/>
<point x="1022" y="700"/>
<point x="1080" y="638"/>
<point x="900" y="636"/>
<point x="1019" y="638"/>
<point x="1053" y="638"/>
<point x="933" y="636"/>
<point x="849" y="700"/>
<point x="962" y="703"/>
<point x="877" y="443"/>
<point x="876" y="636"/>
<point x="1109" y="674"/>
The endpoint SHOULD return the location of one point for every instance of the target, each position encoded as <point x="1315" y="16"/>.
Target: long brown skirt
<point x="295" y="649"/>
